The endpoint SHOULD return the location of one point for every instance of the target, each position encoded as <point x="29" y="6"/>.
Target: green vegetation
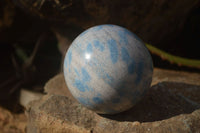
<point x="174" y="59"/>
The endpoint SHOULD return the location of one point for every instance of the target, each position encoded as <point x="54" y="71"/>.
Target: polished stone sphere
<point x="108" y="69"/>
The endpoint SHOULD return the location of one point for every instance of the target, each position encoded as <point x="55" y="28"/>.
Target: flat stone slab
<point x="172" y="104"/>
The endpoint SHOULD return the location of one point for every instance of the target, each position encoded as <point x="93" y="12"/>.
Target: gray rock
<point x="171" y="105"/>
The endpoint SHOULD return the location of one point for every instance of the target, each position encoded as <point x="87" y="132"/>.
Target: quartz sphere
<point x="108" y="69"/>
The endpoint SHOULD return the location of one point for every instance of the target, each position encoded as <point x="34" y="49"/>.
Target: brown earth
<point x="12" y="123"/>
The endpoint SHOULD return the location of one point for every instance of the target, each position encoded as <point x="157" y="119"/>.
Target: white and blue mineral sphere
<point x="108" y="69"/>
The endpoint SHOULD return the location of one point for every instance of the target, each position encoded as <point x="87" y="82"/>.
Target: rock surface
<point x="171" y="105"/>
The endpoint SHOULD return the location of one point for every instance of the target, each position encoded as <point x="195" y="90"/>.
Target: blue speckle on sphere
<point x="84" y="101"/>
<point x="98" y="94"/>
<point x="125" y="55"/>
<point x="98" y="45"/>
<point x="69" y="56"/>
<point x="76" y="71"/>
<point x="109" y="25"/>
<point x="88" y="88"/>
<point x="79" y="45"/>
<point x="131" y="67"/>
<point x="123" y="37"/>
<point x="86" y="76"/>
<point x="112" y="45"/>
<point x="94" y="63"/>
<point x="82" y="86"/>
<point x="65" y="63"/>
<point x="97" y="28"/>
<point x="97" y="100"/>
<point x="79" y="85"/>
<point x="139" y="72"/>
<point x="89" y="48"/>
<point x="108" y="79"/>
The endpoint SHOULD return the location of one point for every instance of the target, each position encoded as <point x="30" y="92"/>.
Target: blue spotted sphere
<point x="108" y="69"/>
